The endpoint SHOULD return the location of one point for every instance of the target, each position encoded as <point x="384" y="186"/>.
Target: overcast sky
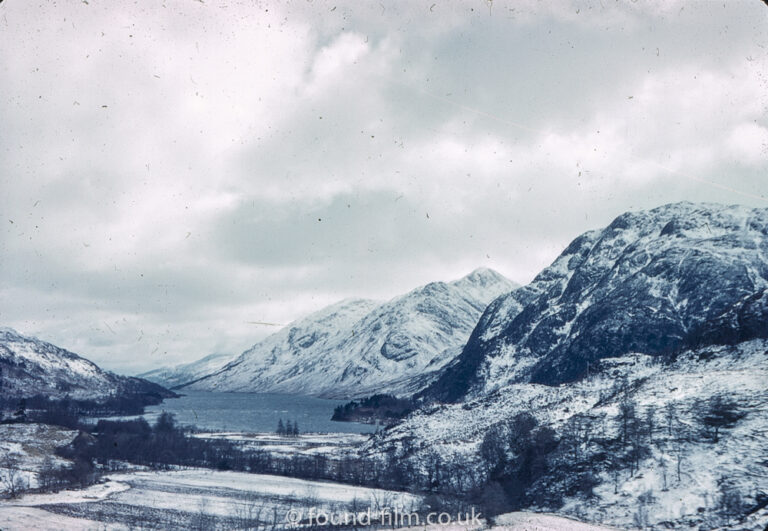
<point x="172" y="173"/>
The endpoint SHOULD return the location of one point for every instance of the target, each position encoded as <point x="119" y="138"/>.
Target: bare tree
<point x="650" y="422"/>
<point x="642" y="516"/>
<point x="203" y="520"/>
<point x="615" y="466"/>
<point x="637" y="451"/>
<point x="679" y="456"/>
<point x="11" y="476"/>
<point x="247" y="514"/>
<point x="627" y="415"/>
<point x="670" y="416"/>
<point x="47" y="476"/>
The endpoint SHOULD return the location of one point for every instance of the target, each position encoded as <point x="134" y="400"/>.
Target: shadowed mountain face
<point x="651" y="282"/>
<point x="358" y="347"/>
<point x="29" y="366"/>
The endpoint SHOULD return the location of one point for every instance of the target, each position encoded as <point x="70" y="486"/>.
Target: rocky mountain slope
<point x="651" y="282"/>
<point x="625" y="385"/>
<point x="357" y="347"/>
<point x="186" y="372"/>
<point x="29" y="366"/>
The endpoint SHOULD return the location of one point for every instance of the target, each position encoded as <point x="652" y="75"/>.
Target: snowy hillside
<point x="650" y="282"/>
<point x="186" y="372"/>
<point x="29" y="366"/>
<point x="357" y="347"/>
<point x="670" y="466"/>
<point x="26" y="449"/>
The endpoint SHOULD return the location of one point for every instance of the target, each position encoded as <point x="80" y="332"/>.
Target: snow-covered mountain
<point x="186" y="372"/>
<point x="651" y="282"/>
<point x="29" y="366"/>
<point x="625" y="385"/>
<point x="360" y="347"/>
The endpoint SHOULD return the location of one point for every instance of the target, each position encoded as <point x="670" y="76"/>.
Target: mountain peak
<point x="484" y="275"/>
<point x="650" y="282"/>
<point x="484" y="283"/>
<point x="355" y="347"/>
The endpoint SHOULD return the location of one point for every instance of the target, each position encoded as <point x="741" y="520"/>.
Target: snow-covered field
<point x="203" y="499"/>
<point x="534" y="522"/>
<point x="188" y="499"/>
<point x="27" y="512"/>
<point x="179" y="499"/>
<point x="328" y="444"/>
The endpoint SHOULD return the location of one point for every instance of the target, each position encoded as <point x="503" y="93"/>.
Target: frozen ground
<point x="27" y="512"/>
<point x="541" y="522"/>
<point x="202" y="499"/>
<point x="25" y="447"/>
<point x="191" y="499"/>
<point x="328" y="444"/>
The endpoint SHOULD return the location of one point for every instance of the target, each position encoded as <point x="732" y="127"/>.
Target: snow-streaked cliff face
<point x="360" y="347"/>
<point x="649" y="282"/>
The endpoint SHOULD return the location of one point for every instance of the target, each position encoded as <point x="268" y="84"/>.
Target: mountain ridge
<point x="358" y="347"/>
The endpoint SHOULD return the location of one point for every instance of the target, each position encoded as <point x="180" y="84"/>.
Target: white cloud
<point x="748" y="142"/>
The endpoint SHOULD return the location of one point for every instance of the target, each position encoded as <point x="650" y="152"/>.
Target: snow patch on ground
<point x="26" y="447"/>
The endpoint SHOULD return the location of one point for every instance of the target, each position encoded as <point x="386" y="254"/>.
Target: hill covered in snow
<point x="360" y="347"/>
<point x="637" y="444"/>
<point x="30" y="366"/>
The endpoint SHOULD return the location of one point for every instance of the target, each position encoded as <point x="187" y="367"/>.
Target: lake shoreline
<point x="258" y="413"/>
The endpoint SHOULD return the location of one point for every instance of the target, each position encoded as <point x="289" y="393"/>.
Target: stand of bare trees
<point x="11" y="476"/>
<point x="528" y="465"/>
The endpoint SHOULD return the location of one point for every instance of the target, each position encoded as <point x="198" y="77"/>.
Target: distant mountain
<point x="29" y="366"/>
<point x="187" y="372"/>
<point x="652" y="282"/>
<point x="359" y="347"/>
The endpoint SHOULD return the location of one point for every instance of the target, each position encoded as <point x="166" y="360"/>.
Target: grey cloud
<point x="356" y="229"/>
<point x="196" y="167"/>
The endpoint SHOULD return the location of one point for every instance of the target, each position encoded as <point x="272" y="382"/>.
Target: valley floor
<point x="192" y="499"/>
<point x="204" y="499"/>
